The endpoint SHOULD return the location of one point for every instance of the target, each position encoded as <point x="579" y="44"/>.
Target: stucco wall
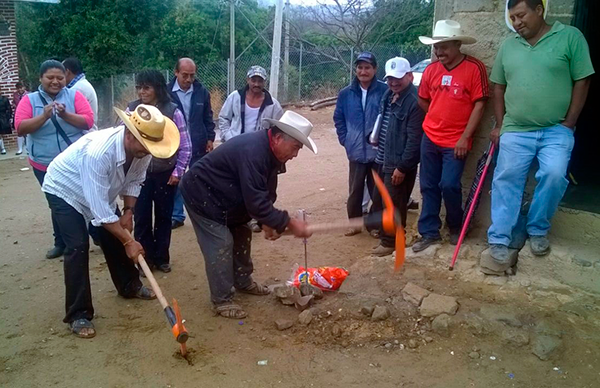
<point x="484" y="20"/>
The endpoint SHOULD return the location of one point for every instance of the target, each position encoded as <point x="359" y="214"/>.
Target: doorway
<point x="584" y="188"/>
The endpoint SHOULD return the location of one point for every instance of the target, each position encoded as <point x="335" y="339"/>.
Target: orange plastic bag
<point x="326" y="278"/>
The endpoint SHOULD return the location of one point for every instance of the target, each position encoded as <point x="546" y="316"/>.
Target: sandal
<point x="79" y="325"/>
<point x="255" y="289"/>
<point x="230" y="310"/>
<point x="145" y="293"/>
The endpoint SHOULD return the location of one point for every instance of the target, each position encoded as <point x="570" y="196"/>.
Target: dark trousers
<point x="58" y="240"/>
<point x="400" y="195"/>
<point x="356" y="180"/>
<point x="440" y="177"/>
<point x="226" y="252"/>
<point x="125" y="276"/>
<point x="155" y="240"/>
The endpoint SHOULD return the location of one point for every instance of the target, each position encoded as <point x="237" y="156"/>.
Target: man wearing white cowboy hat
<point x="82" y="185"/>
<point x="231" y="185"/>
<point x="453" y="93"/>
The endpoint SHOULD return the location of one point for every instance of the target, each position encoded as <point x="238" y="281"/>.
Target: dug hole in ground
<point x="539" y="328"/>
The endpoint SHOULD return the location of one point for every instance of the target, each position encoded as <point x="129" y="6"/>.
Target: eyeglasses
<point x="143" y="87"/>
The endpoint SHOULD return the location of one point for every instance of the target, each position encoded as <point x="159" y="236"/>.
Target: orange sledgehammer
<point x="388" y="220"/>
<point x="173" y="313"/>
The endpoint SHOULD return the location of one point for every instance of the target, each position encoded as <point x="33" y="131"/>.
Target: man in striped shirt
<point x="83" y="183"/>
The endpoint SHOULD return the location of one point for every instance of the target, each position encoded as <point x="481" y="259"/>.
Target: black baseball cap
<point x="368" y="57"/>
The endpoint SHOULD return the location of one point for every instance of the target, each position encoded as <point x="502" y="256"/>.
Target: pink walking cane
<point x="473" y="204"/>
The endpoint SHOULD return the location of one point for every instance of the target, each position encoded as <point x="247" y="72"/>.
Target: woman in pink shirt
<point x="52" y="118"/>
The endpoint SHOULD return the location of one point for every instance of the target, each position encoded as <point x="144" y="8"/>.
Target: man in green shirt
<point x="541" y="77"/>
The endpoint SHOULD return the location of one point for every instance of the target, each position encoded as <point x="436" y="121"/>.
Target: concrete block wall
<point x="484" y="20"/>
<point x="9" y="67"/>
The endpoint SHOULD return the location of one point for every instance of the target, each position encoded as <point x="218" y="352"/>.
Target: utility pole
<point x="286" y="52"/>
<point x="276" y="53"/>
<point x="231" y="72"/>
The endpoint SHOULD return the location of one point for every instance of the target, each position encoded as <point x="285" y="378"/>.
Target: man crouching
<point x="230" y="186"/>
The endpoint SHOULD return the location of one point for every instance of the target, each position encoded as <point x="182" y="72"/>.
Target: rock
<point x="428" y="339"/>
<point x="288" y="301"/>
<point x="414" y="294"/>
<point x="413" y="344"/>
<point x="474" y="355"/>
<point x="367" y="309"/>
<point x="544" y="346"/>
<point x="434" y="305"/>
<point x="380" y="313"/>
<point x="305" y="317"/>
<point x="336" y="330"/>
<point x="283" y="292"/>
<point x="388" y="345"/>
<point x="283" y="324"/>
<point x="500" y="314"/>
<point x="304" y="302"/>
<point x="309" y="289"/>
<point x="546" y="327"/>
<point x="515" y="337"/>
<point x="441" y="325"/>
<point x="581" y="262"/>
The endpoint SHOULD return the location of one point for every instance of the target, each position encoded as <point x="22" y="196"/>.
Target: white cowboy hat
<point x="445" y="31"/>
<point x="157" y="133"/>
<point x="507" y="14"/>
<point x="297" y="127"/>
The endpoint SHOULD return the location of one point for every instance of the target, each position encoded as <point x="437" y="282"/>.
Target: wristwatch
<point x="128" y="208"/>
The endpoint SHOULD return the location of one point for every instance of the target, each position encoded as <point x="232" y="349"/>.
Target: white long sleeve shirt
<point x="89" y="175"/>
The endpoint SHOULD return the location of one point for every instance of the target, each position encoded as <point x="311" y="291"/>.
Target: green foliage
<point x="118" y="36"/>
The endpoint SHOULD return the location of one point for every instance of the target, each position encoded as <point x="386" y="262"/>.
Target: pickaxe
<point x="389" y="220"/>
<point x="173" y="313"/>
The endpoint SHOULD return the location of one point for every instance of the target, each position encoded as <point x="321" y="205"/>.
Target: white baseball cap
<point x="396" y="67"/>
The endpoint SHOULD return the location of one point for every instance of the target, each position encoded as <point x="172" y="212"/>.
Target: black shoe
<point x="454" y="238"/>
<point x="3" y="152"/>
<point x="413" y="205"/>
<point x="166" y="268"/>
<point x="424" y="243"/>
<point x="55" y="252"/>
<point x="176" y="224"/>
<point x="18" y="153"/>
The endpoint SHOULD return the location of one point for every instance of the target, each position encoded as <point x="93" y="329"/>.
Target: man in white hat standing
<point x="236" y="182"/>
<point x="453" y="93"/>
<point x="245" y="109"/>
<point x="541" y="79"/>
<point x="400" y="134"/>
<point x="82" y="185"/>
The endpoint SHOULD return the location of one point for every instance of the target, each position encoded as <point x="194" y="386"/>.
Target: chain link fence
<point x="310" y="73"/>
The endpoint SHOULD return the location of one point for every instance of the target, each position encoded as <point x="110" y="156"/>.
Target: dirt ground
<point x="557" y="296"/>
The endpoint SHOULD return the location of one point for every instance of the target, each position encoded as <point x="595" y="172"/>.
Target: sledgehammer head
<point x="391" y="222"/>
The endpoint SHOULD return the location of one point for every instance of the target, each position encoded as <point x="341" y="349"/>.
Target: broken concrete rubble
<point x="414" y="294"/>
<point x="435" y="304"/>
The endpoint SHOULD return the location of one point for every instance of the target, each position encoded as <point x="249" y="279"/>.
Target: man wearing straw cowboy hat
<point x="231" y="185"/>
<point x="82" y="185"/>
<point x="453" y="93"/>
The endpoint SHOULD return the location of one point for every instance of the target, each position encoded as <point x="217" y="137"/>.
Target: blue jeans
<point x="552" y="147"/>
<point x="440" y="177"/>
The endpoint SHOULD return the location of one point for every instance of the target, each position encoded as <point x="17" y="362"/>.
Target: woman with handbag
<point x="52" y="118"/>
